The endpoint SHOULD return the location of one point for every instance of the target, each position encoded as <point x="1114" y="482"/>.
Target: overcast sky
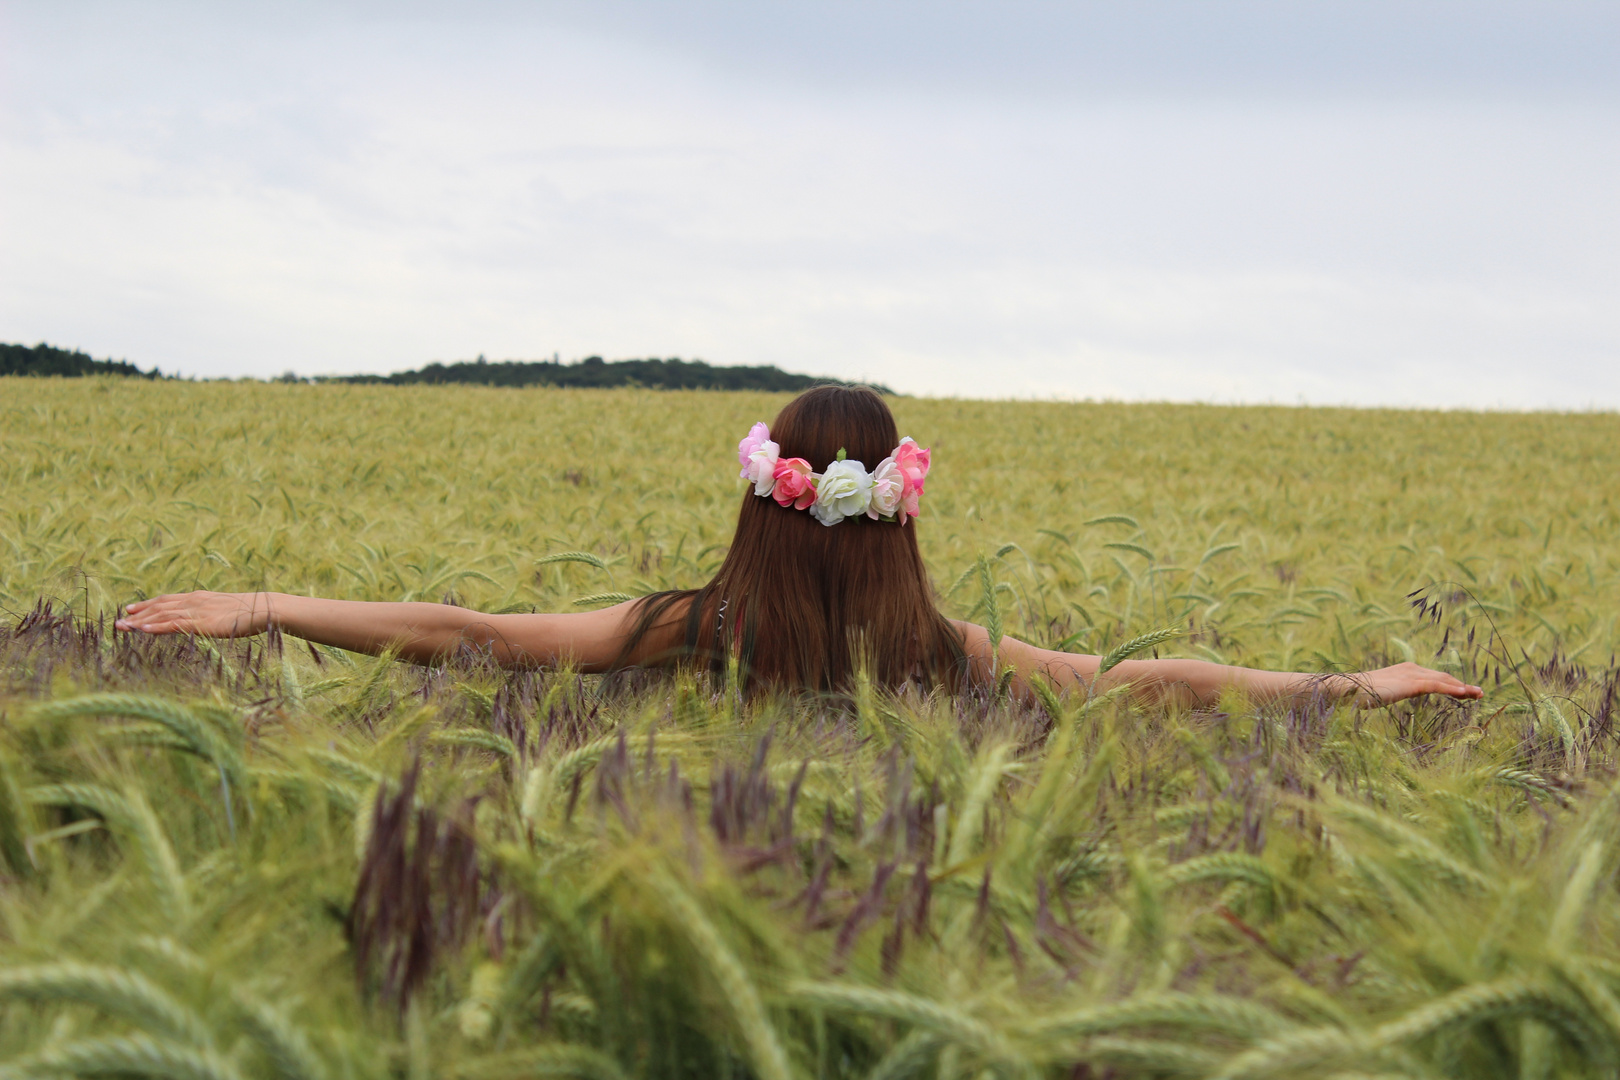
<point x="1374" y="203"/>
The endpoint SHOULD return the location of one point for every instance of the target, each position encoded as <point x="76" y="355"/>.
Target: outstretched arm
<point x="420" y="632"/>
<point x="1198" y="682"/>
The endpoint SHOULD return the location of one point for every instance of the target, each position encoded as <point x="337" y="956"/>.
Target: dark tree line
<point x="593" y="371"/>
<point x="44" y="359"/>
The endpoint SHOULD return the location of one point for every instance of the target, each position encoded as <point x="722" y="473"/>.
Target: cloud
<point x="1256" y="209"/>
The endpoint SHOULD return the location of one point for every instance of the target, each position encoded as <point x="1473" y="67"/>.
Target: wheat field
<point x="255" y="858"/>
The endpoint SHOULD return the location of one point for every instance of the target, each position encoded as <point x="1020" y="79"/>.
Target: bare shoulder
<point x="594" y="640"/>
<point x="665" y="635"/>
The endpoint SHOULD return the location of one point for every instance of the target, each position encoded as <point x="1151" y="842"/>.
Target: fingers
<point x="1455" y="687"/>
<point x="1450" y="688"/>
<point x="1429" y="681"/>
<point x="1402" y="681"/>
<point x="207" y="613"/>
<point x="1441" y="682"/>
<point x="171" y="626"/>
<point x="166" y="614"/>
<point x="151" y="621"/>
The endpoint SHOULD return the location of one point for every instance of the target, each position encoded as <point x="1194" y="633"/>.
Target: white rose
<point x="845" y="490"/>
<point x="761" y="467"/>
<point x="888" y="484"/>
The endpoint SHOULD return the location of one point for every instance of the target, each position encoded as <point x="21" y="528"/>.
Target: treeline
<point x="593" y="371"/>
<point x="44" y="359"/>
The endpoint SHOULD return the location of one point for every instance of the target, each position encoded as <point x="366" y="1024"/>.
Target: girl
<point x="823" y="575"/>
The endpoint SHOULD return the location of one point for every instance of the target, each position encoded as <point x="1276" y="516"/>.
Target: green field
<point x="256" y="859"/>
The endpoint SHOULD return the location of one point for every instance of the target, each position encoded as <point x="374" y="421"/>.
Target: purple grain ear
<point x="920" y="899"/>
<point x="865" y="909"/>
<point x="418" y="890"/>
<point x="981" y="907"/>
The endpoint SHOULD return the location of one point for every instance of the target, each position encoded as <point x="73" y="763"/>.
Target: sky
<point x="1364" y="203"/>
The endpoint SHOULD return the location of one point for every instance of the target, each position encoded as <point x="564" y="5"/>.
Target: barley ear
<point x="742" y="997"/>
<point x="1075" y="798"/>
<point x="597" y="599"/>
<point x="1155" y="1057"/>
<point x="284" y="1043"/>
<point x="125" y="994"/>
<point x="288" y="1048"/>
<point x="158" y="854"/>
<point x="555" y="1059"/>
<point x="1577" y="896"/>
<point x="1221" y="866"/>
<point x="1041" y="687"/>
<point x="203" y="734"/>
<point x="907" y="1057"/>
<point x="130" y="1055"/>
<point x="476" y="738"/>
<point x="133" y="818"/>
<point x="985" y="779"/>
<point x="1296" y="1049"/>
<point x="17" y="823"/>
<point x="922" y="1013"/>
<point x="1523" y="997"/>
<point x="1127" y="649"/>
<point x="992" y="613"/>
<point x="573" y="557"/>
<point x="1546" y="707"/>
<point x="1233" y="1016"/>
<point x="1596" y="993"/>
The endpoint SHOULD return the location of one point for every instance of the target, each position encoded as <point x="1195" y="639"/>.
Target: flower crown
<point x="888" y="493"/>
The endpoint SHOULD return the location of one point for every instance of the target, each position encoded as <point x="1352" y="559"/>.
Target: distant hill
<point x="44" y="359"/>
<point x="593" y="371"/>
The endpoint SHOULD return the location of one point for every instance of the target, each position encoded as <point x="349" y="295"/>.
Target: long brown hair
<point x="802" y="604"/>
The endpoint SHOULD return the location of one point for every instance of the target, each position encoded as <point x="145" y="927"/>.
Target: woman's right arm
<point x="1199" y="683"/>
<point x="420" y="632"/>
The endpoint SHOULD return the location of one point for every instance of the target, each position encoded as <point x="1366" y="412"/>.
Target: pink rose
<point x="888" y="488"/>
<point x="912" y="461"/>
<point x="794" y="486"/>
<point x="757" y="436"/>
<point x="758" y="456"/>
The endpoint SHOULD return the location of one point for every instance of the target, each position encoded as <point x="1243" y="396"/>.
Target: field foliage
<point x="255" y="858"/>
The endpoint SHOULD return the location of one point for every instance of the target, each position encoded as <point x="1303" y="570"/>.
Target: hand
<point x="1402" y="681"/>
<point x="211" y="614"/>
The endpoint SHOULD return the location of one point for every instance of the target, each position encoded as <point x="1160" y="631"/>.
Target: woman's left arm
<point x="1199" y="683"/>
